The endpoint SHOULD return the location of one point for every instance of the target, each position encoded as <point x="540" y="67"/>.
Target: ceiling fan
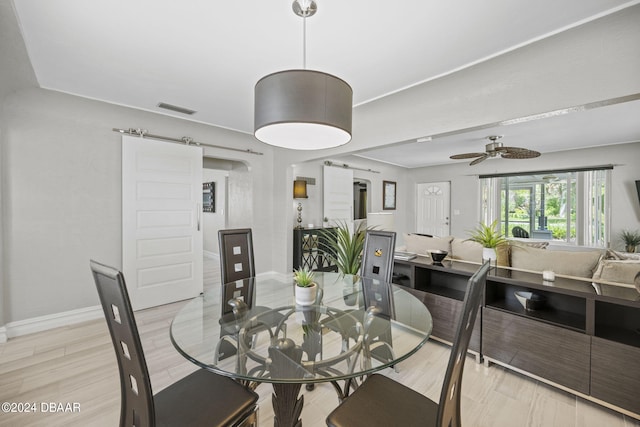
<point x="495" y="148"/>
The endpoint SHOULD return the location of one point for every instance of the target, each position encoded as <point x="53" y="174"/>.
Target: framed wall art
<point x="388" y="195"/>
<point x="209" y="197"/>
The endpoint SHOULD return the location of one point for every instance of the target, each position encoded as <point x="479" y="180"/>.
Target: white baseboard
<point x="210" y="255"/>
<point x="3" y="334"/>
<point x="50" y="321"/>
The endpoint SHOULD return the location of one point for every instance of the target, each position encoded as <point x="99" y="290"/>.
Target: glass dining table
<point x="253" y="331"/>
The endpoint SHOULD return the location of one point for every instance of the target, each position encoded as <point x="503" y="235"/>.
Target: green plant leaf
<point x="487" y="235"/>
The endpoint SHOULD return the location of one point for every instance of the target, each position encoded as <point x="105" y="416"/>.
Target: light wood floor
<point x="77" y="364"/>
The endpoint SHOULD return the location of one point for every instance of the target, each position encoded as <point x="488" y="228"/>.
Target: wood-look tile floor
<point x="76" y="364"/>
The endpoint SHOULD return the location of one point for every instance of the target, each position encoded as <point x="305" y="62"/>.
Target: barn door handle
<point x="198" y="209"/>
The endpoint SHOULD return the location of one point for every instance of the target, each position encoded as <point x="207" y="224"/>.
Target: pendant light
<point x="303" y="109"/>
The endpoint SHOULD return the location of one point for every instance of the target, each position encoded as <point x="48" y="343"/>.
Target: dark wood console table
<point x="585" y="340"/>
<point x="309" y="249"/>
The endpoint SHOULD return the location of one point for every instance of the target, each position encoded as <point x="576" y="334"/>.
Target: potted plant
<point x="344" y="248"/>
<point x="306" y="289"/>
<point x="489" y="238"/>
<point x="631" y="240"/>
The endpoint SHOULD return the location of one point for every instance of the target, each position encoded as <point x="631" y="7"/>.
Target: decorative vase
<point x="306" y="295"/>
<point x="630" y="249"/>
<point x="489" y="254"/>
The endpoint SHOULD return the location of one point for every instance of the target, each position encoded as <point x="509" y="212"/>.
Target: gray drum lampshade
<point x="303" y="110"/>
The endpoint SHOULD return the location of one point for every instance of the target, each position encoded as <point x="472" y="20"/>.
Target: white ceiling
<point x="207" y="55"/>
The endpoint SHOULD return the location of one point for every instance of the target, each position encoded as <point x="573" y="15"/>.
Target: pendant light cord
<point x="304" y="42"/>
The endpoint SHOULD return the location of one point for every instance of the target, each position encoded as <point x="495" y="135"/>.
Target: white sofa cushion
<point x="568" y="263"/>
<point x="421" y="245"/>
<point x="466" y="250"/>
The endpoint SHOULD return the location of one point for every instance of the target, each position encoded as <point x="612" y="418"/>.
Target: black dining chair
<point x="236" y="254"/>
<point x="381" y="401"/>
<point x="518" y="231"/>
<point x="201" y="398"/>
<point x="377" y="302"/>
<point x="377" y="255"/>
<point x="237" y="264"/>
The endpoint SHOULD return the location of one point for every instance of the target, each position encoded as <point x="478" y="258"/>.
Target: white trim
<point x="210" y="255"/>
<point x="50" y="321"/>
<point x="3" y="334"/>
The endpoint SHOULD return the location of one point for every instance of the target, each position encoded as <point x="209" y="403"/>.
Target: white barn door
<point x="433" y="205"/>
<point x="161" y="221"/>
<point x="337" y="203"/>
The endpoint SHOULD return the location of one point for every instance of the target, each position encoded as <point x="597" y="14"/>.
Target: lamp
<point x="303" y="109"/>
<point x="300" y="192"/>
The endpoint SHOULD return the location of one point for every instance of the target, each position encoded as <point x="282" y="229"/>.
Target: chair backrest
<point x="236" y="254"/>
<point x="243" y="291"/>
<point x="518" y="231"/>
<point x="449" y="406"/>
<point x="377" y="256"/>
<point x="136" y="395"/>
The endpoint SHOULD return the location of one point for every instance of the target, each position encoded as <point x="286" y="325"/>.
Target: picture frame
<point x="209" y="196"/>
<point x="388" y="195"/>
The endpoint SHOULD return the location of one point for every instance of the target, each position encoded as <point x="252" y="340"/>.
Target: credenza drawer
<point x="557" y="354"/>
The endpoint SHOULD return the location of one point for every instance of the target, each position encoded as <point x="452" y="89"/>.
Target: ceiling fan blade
<point x="520" y="154"/>
<point x="514" y="149"/>
<point x="478" y="160"/>
<point x="466" y="156"/>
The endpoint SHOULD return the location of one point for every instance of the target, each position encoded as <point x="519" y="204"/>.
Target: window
<point x="568" y="206"/>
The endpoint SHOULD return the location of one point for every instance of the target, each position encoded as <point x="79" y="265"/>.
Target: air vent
<point x="176" y="108"/>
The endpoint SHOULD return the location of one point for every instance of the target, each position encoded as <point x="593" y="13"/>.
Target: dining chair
<point x="201" y="398"/>
<point x="376" y="271"/>
<point x="237" y="264"/>
<point x="236" y="254"/>
<point x="377" y="255"/>
<point x="381" y="401"/>
<point x="518" y="231"/>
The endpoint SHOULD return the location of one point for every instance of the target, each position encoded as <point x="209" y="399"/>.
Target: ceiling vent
<point x="176" y="108"/>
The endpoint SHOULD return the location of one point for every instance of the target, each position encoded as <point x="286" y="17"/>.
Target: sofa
<point x="595" y="265"/>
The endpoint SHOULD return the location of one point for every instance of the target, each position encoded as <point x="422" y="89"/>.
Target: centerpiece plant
<point x="303" y="277"/>
<point x="306" y="288"/>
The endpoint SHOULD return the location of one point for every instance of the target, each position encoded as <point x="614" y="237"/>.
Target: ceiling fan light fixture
<point x="303" y="109"/>
<point x="495" y="148"/>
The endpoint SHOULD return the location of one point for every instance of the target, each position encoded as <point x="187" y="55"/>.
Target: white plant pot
<point x="306" y="295"/>
<point x="489" y="254"/>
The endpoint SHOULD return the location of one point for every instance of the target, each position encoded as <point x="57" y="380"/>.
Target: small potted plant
<point x="631" y="240"/>
<point x="306" y="289"/>
<point x="489" y="238"/>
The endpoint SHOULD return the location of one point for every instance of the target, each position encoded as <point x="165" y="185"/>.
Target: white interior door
<point x="338" y="195"/>
<point x="433" y="205"/>
<point x="161" y="221"/>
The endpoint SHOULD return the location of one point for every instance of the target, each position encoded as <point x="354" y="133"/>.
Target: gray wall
<point x="62" y="194"/>
<point x="465" y="188"/>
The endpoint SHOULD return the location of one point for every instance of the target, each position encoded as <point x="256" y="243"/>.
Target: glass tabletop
<point x="253" y="330"/>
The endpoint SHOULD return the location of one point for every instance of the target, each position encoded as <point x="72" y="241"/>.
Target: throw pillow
<point x="619" y="271"/>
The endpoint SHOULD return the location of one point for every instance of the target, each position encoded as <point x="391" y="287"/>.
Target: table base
<point x="287" y="406"/>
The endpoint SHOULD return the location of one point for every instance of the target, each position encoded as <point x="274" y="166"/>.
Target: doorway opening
<point x="232" y="206"/>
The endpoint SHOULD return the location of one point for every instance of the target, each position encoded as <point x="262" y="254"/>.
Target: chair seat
<point x="381" y="401"/>
<point x="203" y="398"/>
